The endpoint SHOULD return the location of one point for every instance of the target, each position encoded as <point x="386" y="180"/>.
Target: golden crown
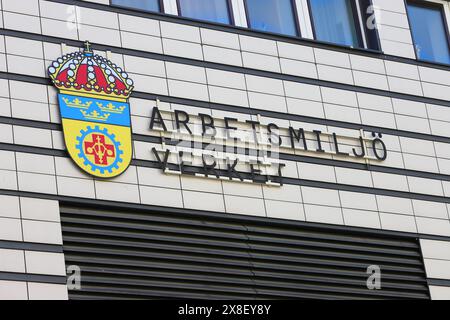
<point x="77" y="103"/>
<point x="95" y="115"/>
<point x="111" y="108"/>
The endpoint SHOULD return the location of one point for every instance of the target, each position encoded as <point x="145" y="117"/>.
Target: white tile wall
<point x="34" y="221"/>
<point x="40" y="221"/>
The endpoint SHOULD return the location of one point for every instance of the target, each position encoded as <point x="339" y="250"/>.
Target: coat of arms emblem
<point x="95" y="113"/>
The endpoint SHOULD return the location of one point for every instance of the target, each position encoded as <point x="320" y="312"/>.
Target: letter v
<point x="162" y="164"/>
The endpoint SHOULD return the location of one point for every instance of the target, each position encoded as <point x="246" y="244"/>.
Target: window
<point x="333" y="21"/>
<point x="429" y="32"/>
<point x="210" y="10"/>
<point x="272" y="15"/>
<point x="147" y="5"/>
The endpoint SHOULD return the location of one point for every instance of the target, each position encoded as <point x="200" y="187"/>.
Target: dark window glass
<point x="429" y="34"/>
<point x="210" y="10"/>
<point x="272" y="16"/>
<point x="367" y="13"/>
<point x="334" y="22"/>
<point x="147" y="5"/>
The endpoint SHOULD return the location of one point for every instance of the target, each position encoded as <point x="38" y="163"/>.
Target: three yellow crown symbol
<point x="95" y="115"/>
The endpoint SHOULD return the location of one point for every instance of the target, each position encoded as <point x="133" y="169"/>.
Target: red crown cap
<point x="91" y="74"/>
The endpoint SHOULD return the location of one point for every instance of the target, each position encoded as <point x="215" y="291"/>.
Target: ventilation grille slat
<point x="150" y="255"/>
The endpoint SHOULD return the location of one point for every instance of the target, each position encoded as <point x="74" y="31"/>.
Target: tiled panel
<point x="321" y="196"/>
<point x="180" y="32"/>
<point x="39" y="209"/>
<point x="75" y="187"/>
<point x="47" y="291"/>
<point x="434" y="249"/>
<point x="252" y="206"/>
<point x="45" y="263"/>
<point x="431" y="226"/>
<point x="41" y="232"/>
<point x="107" y="190"/>
<point x="398" y="222"/>
<point x="142" y="42"/>
<point x="360" y="218"/>
<point x="21" y="22"/>
<point x="353" y="177"/>
<point x="220" y="39"/>
<point x="203" y="201"/>
<point x="257" y="45"/>
<point x="10" y="229"/>
<point x="222" y="55"/>
<point x="139" y="25"/>
<point x="13" y="290"/>
<point x="30" y="7"/>
<point x="437" y="269"/>
<point x="161" y="196"/>
<point x="354" y="200"/>
<point x="323" y="214"/>
<point x="430" y="209"/>
<point x="395" y="205"/>
<point x="12" y="261"/>
<point x="284" y="210"/>
<point x="10" y="207"/>
<point x="295" y="52"/>
<point x="440" y="293"/>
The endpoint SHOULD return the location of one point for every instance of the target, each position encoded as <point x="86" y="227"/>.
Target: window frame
<point x="229" y="10"/>
<point x="357" y="20"/>
<point x="435" y="5"/>
<point x="298" y="31"/>
<point x="161" y="7"/>
<point x="368" y="40"/>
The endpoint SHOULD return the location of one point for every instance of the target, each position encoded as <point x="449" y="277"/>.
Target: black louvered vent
<point x="126" y="254"/>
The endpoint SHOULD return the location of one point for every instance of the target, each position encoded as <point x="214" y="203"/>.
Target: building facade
<point x="233" y="149"/>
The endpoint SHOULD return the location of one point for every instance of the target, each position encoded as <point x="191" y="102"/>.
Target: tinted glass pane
<point x="429" y="34"/>
<point x="147" y="5"/>
<point x="272" y="15"/>
<point x="334" y="22"/>
<point x="210" y="10"/>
